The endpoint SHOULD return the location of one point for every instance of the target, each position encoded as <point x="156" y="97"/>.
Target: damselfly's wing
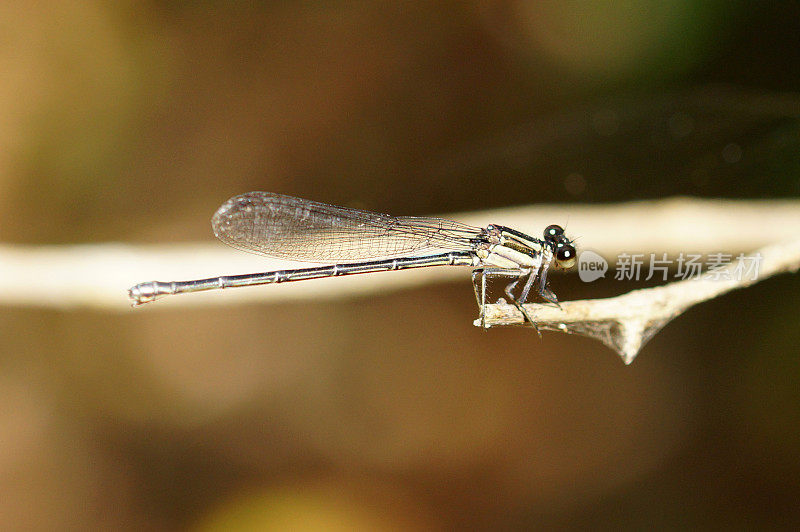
<point x="297" y="229"/>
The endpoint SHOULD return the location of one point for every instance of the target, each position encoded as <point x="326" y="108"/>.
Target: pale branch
<point x="98" y="275"/>
<point x="625" y="323"/>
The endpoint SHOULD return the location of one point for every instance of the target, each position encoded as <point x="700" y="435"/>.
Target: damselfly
<point x="354" y="241"/>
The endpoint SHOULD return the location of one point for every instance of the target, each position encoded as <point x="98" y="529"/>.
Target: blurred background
<point x="132" y="121"/>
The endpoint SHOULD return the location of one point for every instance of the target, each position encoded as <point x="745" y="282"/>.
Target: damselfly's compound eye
<point x="565" y="256"/>
<point x="553" y="233"/>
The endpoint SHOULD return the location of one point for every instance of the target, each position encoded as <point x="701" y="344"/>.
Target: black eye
<point x="553" y="232"/>
<point x="565" y="256"/>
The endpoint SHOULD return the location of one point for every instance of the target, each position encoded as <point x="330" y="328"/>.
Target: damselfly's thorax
<point x="508" y="248"/>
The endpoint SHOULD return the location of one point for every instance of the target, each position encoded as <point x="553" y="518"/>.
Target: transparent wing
<point x="297" y="229"/>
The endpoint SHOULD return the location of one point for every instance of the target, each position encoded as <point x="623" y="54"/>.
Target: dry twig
<point x="98" y="276"/>
<point x="625" y="323"/>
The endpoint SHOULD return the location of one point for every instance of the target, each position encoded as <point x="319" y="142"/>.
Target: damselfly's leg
<point x="549" y="296"/>
<point x="480" y="295"/>
<point x="520" y="302"/>
<point x="480" y="276"/>
<point x="544" y="291"/>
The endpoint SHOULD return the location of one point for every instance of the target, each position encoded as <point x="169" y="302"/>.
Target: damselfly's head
<point x="563" y="250"/>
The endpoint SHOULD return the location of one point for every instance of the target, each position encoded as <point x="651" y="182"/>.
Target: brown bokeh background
<point x="133" y="121"/>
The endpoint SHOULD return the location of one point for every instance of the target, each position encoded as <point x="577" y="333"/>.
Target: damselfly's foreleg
<point x="544" y="291"/>
<point x="549" y="296"/>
